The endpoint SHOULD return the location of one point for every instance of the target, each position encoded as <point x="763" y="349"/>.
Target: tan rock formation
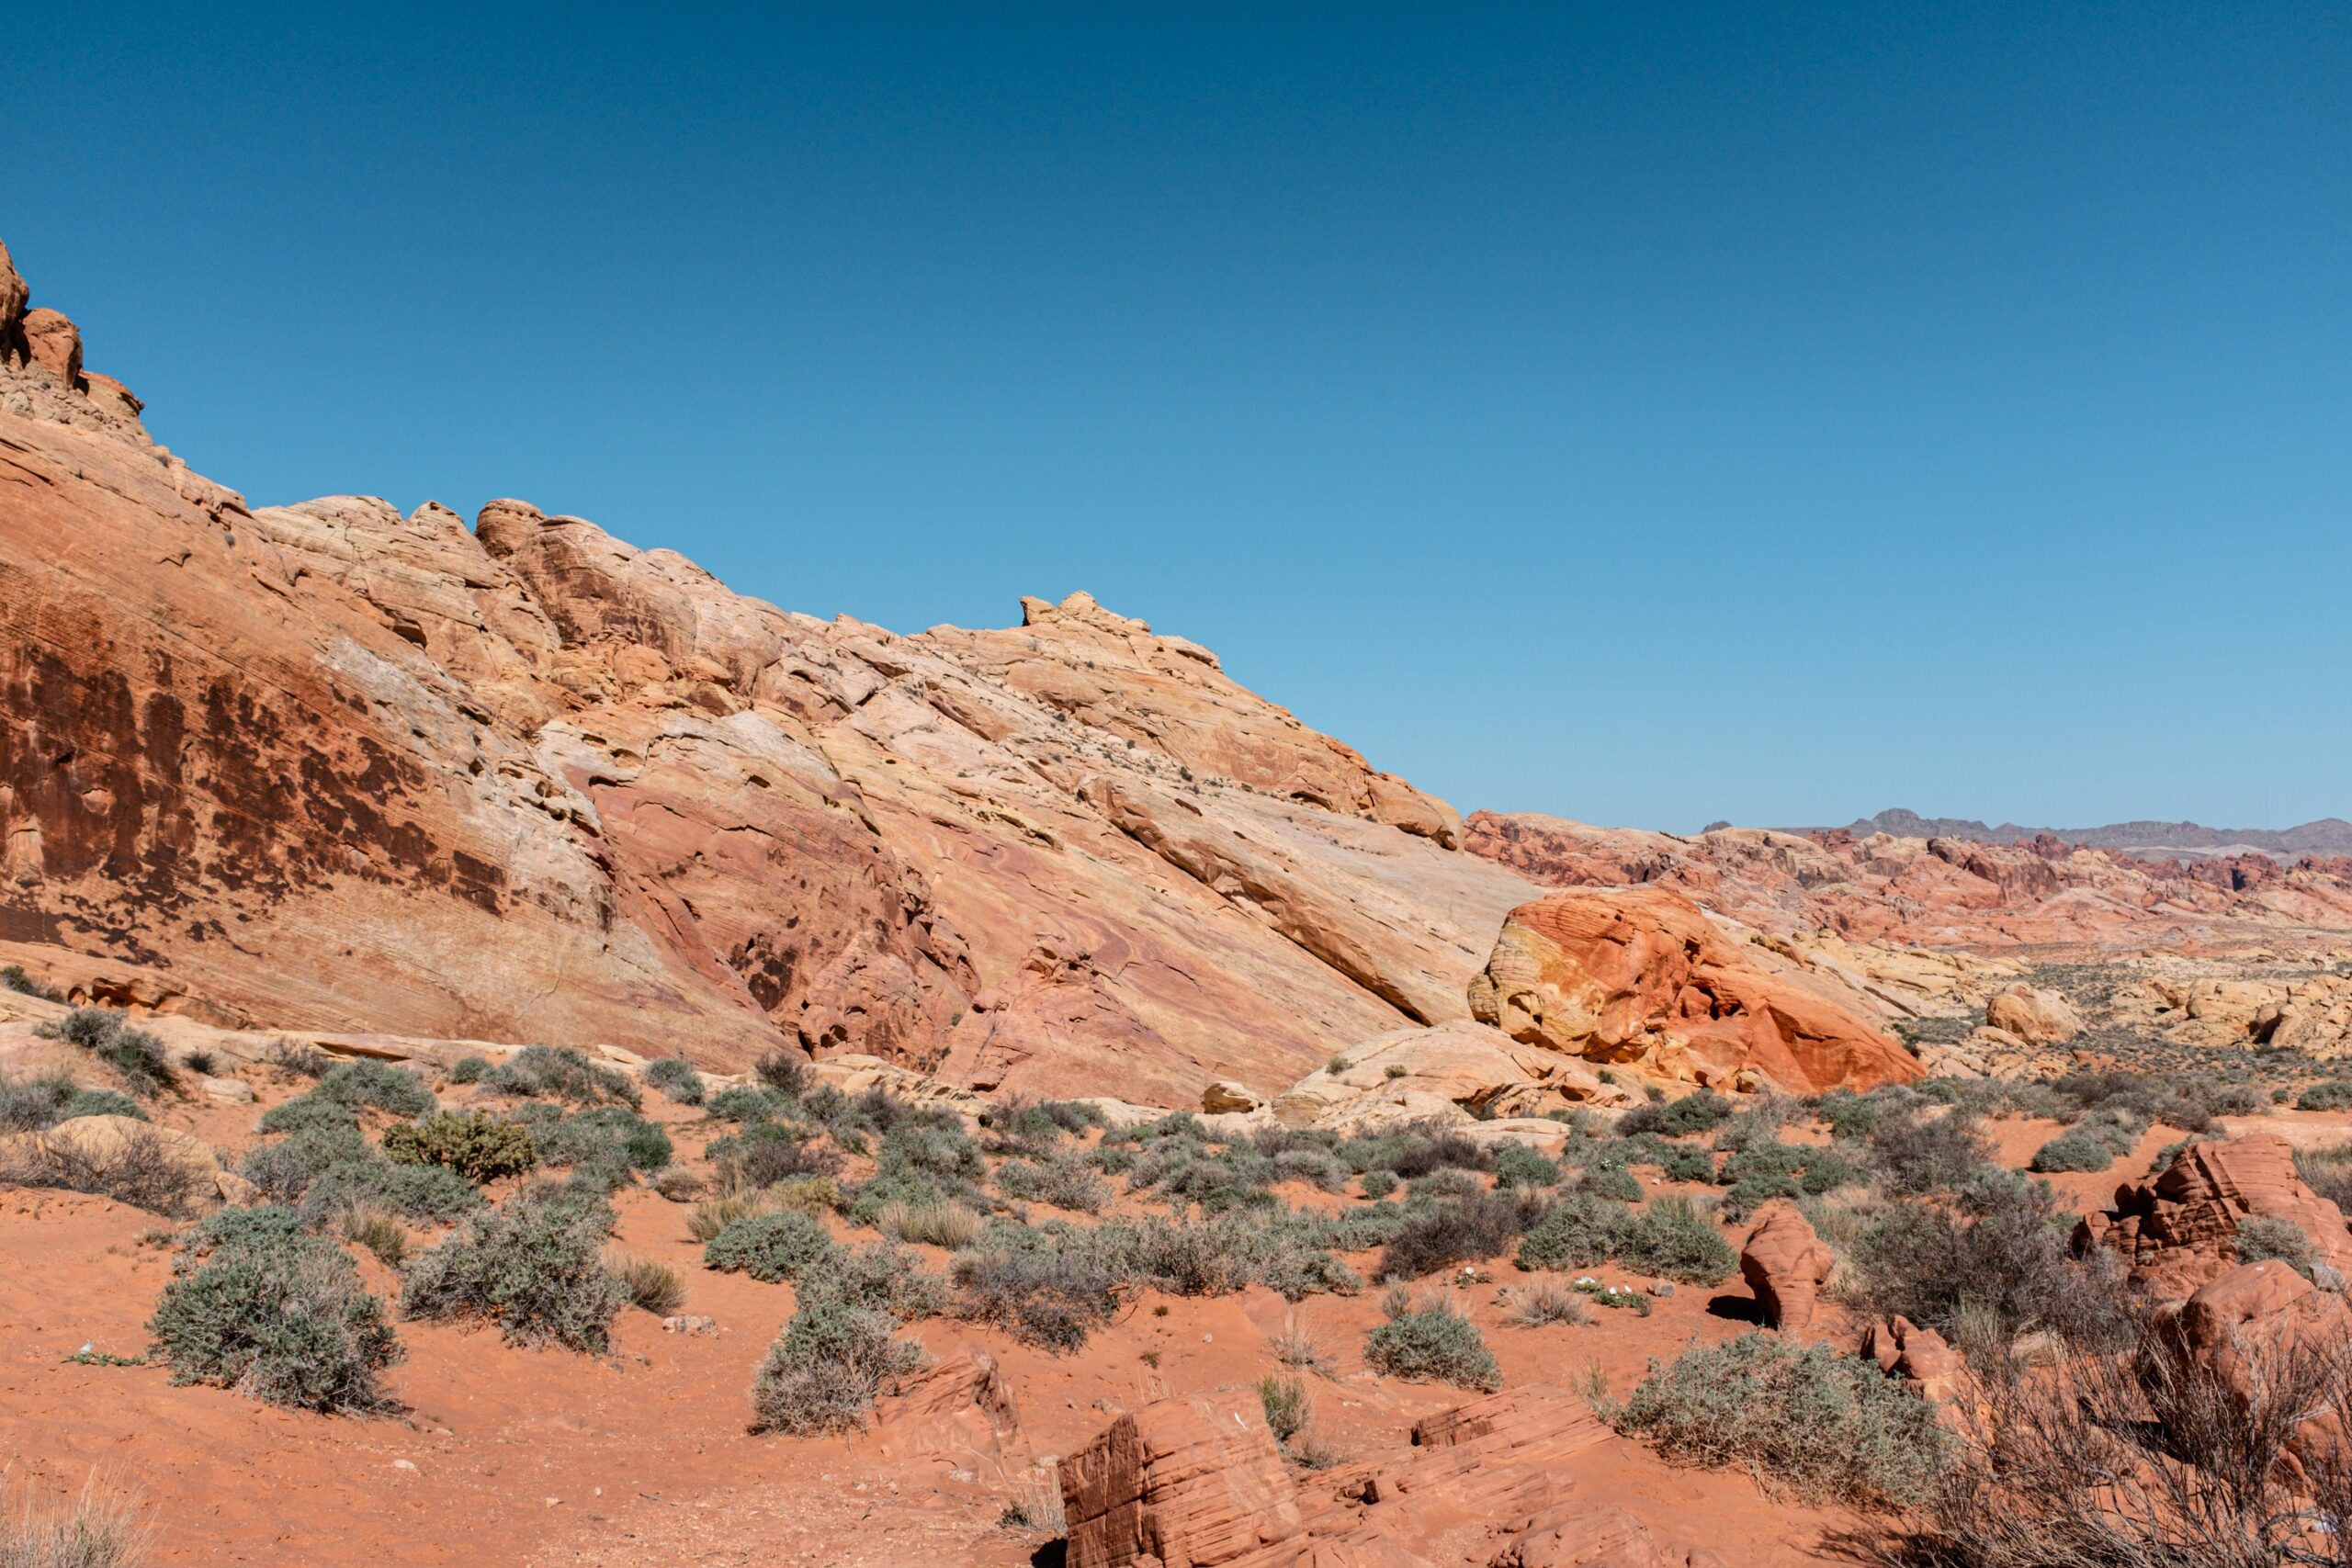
<point x="1644" y="978"/>
<point x="1455" y="1072"/>
<point x="2239" y="1330"/>
<point x="1786" y="1265"/>
<point x="2034" y="1016"/>
<point x="2175" y="1232"/>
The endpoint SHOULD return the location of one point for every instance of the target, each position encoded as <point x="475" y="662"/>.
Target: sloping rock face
<point x="2177" y="1232"/>
<point x="1190" y="1481"/>
<point x="339" y="767"/>
<point x="1940" y="892"/>
<point x="1644" y="978"/>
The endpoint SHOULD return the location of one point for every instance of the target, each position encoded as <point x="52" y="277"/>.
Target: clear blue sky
<point x="1646" y="414"/>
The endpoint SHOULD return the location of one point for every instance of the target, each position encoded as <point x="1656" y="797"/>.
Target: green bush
<point x="676" y="1079"/>
<point x="1831" y="1427"/>
<point x="766" y="1153"/>
<point x="100" y="1102"/>
<point x="279" y="1315"/>
<point x="312" y="1113"/>
<point x="479" y="1148"/>
<point x="412" y="1191"/>
<point x="2334" y="1095"/>
<point x="1610" y="1181"/>
<point x="743" y="1102"/>
<point x="1516" y="1165"/>
<point x="881" y="1278"/>
<point x="137" y="1055"/>
<point x="2259" y="1238"/>
<point x="769" y="1248"/>
<point x="1047" y="1298"/>
<point x="468" y="1069"/>
<point x="1701" y="1112"/>
<point x="284" y="1168"/>
<point x="533" y="1266"/>
<point x="784" y="1073"/>
<point x="1460" y="1230"/>
<point x="1378" y="1184"/>
<point x="379" y="1084"/>
<point x="826" y="1370"/>
<point x="24" y="985"/>
<point x="1433" y="1344"/>
<point x="613" y="1136"/>
<point x="28" y="1105"/>
<point x="1578" y="1233"/>
<point x="553" y="1072"/>
<point x="1674" y="1239"/>
<point x="1062" y="1180"/>
<point x="2007" y="1265"/>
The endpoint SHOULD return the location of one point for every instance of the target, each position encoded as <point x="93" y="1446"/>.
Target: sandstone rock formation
<point x="2175" y="1232"/>
<point x="1453" y="1073"/>
<point x="1644" y="978"/>
<point x="2312" y="1014"/>
<point x="1929" y="1366"/>
<point x="2241" y="1328"/>
<point x="1181" y="1483"/>
<point x="1942" y="893"/>
<point x="342" y="767"/>
<point x="1786" y="1265"/>
<point x="2034" y="1016"/>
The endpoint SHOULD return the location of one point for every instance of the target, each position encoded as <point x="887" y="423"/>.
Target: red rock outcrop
<point x="2177" y="1232"/>
<point x="1182" y="1483"/>
<point x="1928" y="1365"/>
<point x="1643" y="977"/>
<point x="1937" y="892"/>
<point x="335" y="766"/>
<point x="1786" y="1265"/>
<point x="2242" y="1327"/>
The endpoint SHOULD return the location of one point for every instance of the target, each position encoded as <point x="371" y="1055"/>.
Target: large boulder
<point x="2179" y="1231"/>
<point x="1450" y="1072"/>
<point x="1185" y="1483"/>
<point x="1786" y="1265"/>
<point x="1644" y="978"/>
<point x="2245" y="1327"/>
<point x="110" y="1147"/>
<point x="2035" y="1016"/>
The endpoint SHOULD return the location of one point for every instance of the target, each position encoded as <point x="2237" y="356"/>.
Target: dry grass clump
<point x="652" y="1286"/>
<point x="950" y="1225"/>
<point x="99" y="1529"/>
<point x="1546" y="1299"/>
<point x="138" y="1170"/>
<point x="715" y="1214"/>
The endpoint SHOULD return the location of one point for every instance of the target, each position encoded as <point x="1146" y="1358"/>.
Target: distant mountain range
<point x="2173" y="841"/>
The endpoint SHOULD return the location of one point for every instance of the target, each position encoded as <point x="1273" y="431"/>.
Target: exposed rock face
<point x="1585" y="1533"/>
<point x="339" y="767"/>
<point x="1939" y="892"/>
<point x="1455" y="1072"/>
<point x="959" y="1407"/>
<point x="2313" y="1015"/>
<point x="2240" y="1326"/>
<point x="1643" y="976"/>
<point x="1184" y="1483"/>
<point x="2175" y="1232"/>
<point x="1929" y="1366"/>
<point x="1786" y="1265"/>
<point x="2035" y="1017"/>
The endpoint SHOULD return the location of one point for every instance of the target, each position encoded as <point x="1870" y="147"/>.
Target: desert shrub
<point x="2259" y="1237"/>
<point x="137" y="1055"/>
<point x="1610" y="1181"/>
<point x="1516" y="1165"/>
<point x="15" y="978"/>
<point x="284" y="1168"/>
<point x="100" y="1102"/>
<point x="1362" y="1228"/>
<point x="1674" y="1239"/>
<point x="1543" y="1301"/>
<point x="1457" y="1231"/>
<point x="2327" y="1171"/>
<point x="533" y="1266"/>
<point x="1763" y="1171"/>
<point x="2073" y="1149"/>
<point x="679" y="1185"/>
<point x="769" y="1248"/>
<point x="744" y="1103"/>
<point x="1283" y="1398"/>
<point x="378" y="1232"/>
<point x="479" y="1148"/>
<point x="1920" y="1155"/>
<point x="766" y="1153"/>
<point x="1701" y="1112"/>
<point x="1578" y="1232"/>
<point x="650" y="1286"/>
<point x="379" y="1084"/>
<point x="933" y="1144"/>
<point x="1827" y="1426"/>
<point x="2010" y="1261"/>
<point x="1415" y="1150"/>
<point x="138" y="1170"/>
<point x="1219" y="1181"/>
<point x="809" y="1194"/>
<point x="2334" y="1095"/>
<point x="950" y="1225"/>
<point x="713" y="1216"/>
<point x="825" y="1371"/>
<point x="1035" y="1127"/>
<point x="468" y="1069"/>
<point x="785" y="1072"/>
<point x="560" y="1072"/>
<point x="1685" y="1163"/>
<point x="28" y="1105"/>
<point x="311" y="1113"/>
<point x="1044" y="1297"/>
<point x="676" y="1079"/>
<point x="1433" y="1343"/>
<point x="1062" y="1181"/>
<point x="414" y="1191"/>
<point x="279" y="1315"/>
<point x="1378" y="1184"/>
<point x="93" y="1530"/>
<point x="299" y="1058"/>
<point x="883" y="1277"/>
<point x="611" y="1136"/>
<point x="1318" y="1168"/>
<point x="1848" y="1114"/>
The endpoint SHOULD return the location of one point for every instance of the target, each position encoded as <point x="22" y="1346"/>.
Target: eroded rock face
<point x="1928" y="1365"/>
<point x="1452" y="1073"/>
<point x="1197" y="1481"/>
<point x="342" y="767"/>
<point x="2034" y="1016"/>
<point x="2178" y="1232"/>
<point x="1643" y="977"/>
<point x="2242" y="1329"/>
<point x="1786" y="1265"/>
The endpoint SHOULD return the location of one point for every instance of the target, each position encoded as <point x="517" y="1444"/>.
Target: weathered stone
<point x="1182" y="1483"/>
<point x="2177" y="1232"/>
<point x="1786" y="1265"/>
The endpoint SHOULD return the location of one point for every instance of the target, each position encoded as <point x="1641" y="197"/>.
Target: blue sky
<point x="1648" y="415"/>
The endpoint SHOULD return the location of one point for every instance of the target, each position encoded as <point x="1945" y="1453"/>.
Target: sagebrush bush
<point x="1922" y="1155"/>
<point x="138" y="1170"/>
<point x="2259" y="1238"/>
<point x="1701" y="1112"/>
<point x="1433" y="1344"/>
<point x="29" y="1105"/>
<point x="414" y="1191"/>
<point x="883" y="1277"/>
<point x="106" y="1035"/>
<point x="280" y="1314"/>
<point x="560" y="1072"/>
<point x="1460" y="1230"/>
<point x="312" y="1113"/>
<point x="766" y="1153"/>
<point x="769" y="1248"/>
<point x="611" y="1138"/>
<point x="1578" y="1233"/>
<point x="2327" y="1171"/>
<point x="826" y="1370"/>
<point x="2334" y="1095"/>
<point x="1516" y="1165"/>
<point x="1060" y="1180"/>
<point x="15" y="978"/>
<point x="676" y="1079"/>
<point x="533" y="1266"/>
<point x="1826" y="1425"/>
<point x="468" y="1069"/>
<point x="1674" y="1239"/>
<point x="284" y="1167"/>
<point x="1415" y="1150"/>
<point x="2010" y="1260"/>
<point x="379" y="1084"/>
<point x="1611" y="1181"/>
<point x="479" y="1148"/>
<point x="784" y="1073"/>
<point x="1047" y="1298"/>
<point x="1544" y="1300"/>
